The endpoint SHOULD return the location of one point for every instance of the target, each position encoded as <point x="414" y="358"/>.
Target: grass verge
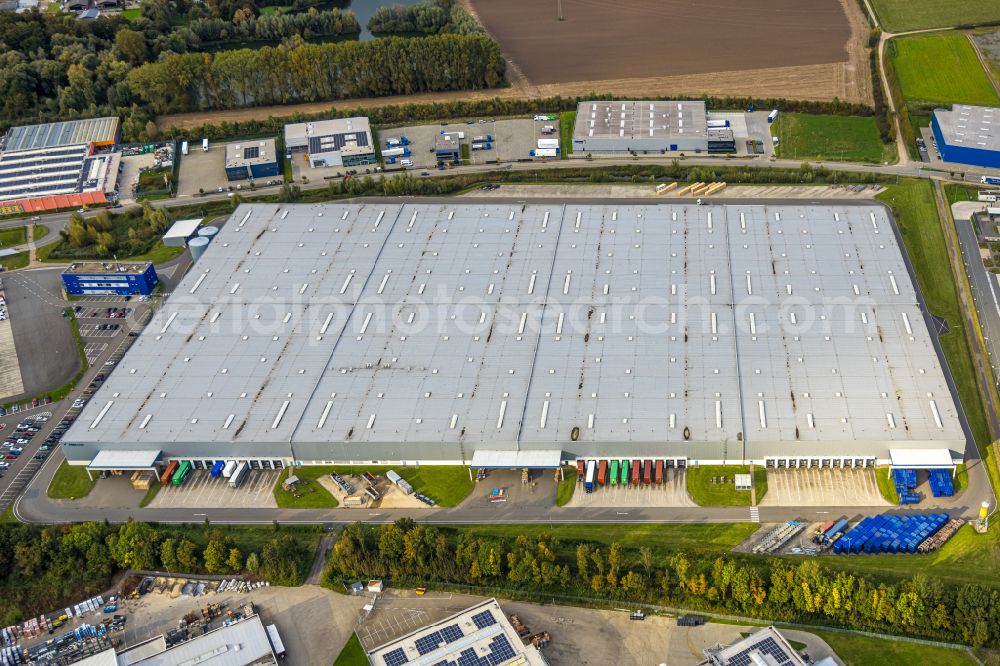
<point x="705" y="493"/>
<point x="687" y="537"/>
<point x="352" y="654"/>
<point x="38" y="232"/>
<point x="15" y="236"/>
<point x="445" y="484"/>
<point x="810" y="137"/>
<point x="310" y="493"/>
<point x="16" y="261"/>
<point x="567" y="120"/>
<point x="159" y="254"/>
<point x="154" y="488"/>
<point x="567" y="486"/>
<point x="886" y="485"/>
<point x="70" y="482"/>
<point x="856" y="650"/>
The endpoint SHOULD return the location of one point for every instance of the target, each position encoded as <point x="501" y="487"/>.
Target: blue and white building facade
<point x="968" y="135"/>
<point x="119" y="279"/>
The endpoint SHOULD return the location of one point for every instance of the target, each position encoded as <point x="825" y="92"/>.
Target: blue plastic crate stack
<point x="941" y="485"/>
<point x="890" y="534"/>
<point x="906" y="483"/>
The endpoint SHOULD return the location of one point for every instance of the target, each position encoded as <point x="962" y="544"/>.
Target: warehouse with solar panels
<point x="63" y="158"/>
<point x="331" y="143"/>
<point x="478" y="636"/>
<point x="249" y="160"/>
<point x="523" y="335"/>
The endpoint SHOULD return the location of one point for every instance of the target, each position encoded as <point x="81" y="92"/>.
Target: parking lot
<point x="510" y="140"/>
<point x="822" y="487"/>
<point x="201" y="490"/>
<point x="131" y="166"/>
<point x="206" y="171"/>
<point x="673" y="492"/>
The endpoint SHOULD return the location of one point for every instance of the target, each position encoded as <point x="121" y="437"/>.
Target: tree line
<point x="431" y="17"/>
<point x="132" y="232"/>
<point x="771" y="588"/>
<point x="275" y="27"/>
<point x="300" y="72"/>
<point x="45" y="568"/>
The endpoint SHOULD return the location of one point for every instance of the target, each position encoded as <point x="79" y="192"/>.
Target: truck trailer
<point x="239" y="475"/>
<point x="591" y="473"/>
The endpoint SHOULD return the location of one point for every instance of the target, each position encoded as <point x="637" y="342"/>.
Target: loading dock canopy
<point x="921" y="459"/>
<point x="516" y="459"/>
<point x="111" y="460"/>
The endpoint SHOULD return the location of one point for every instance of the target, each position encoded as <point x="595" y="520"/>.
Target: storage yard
<point x="323" y="380"/>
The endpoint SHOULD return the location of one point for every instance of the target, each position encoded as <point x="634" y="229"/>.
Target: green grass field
<point x="38" y="232"/>
<point x="312" y="495"/>
<point x="15" y="236"/>
<point x="70" y="482"/>
<point x="850" y="138"/>
<point x="352" y="654"/>
<point x="15" y="261"/>
<point x="688" y="537"/>
<point x="705" y="493"/>
<point x="905" y="15"/>
<point x="131" y="14"/>
<point x="567" y="120"/>
<point x="159" y="254"/>
<point x="855" y="650"/>
<point x="886" y="485"/>
<point x="567" y="486"/>
<point x="941" y="68"/>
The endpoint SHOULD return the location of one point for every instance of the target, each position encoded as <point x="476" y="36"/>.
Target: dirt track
<point x="847" y="79"/>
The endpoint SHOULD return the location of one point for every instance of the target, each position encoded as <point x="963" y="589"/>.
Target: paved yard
<point x="673" y="492"/>
<point x="822" y="487"/>
<point x="201" y="490"/>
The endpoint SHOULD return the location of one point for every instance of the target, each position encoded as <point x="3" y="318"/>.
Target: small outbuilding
<point x="180" y="232"/>
<point x="291" y="483"/>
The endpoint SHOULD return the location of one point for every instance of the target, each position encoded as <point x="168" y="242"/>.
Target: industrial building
<point x="118" y="278"/>
<point x="512" y="335"/>
<point x="181" y="231"/>
<point x="621" y="127"/>
<point x="249" y="160"/>
<point x="448" y="147"/>
<point x="332" y="143"/>
<point x="57" y="159"/>
<point x="968" y="135"/>
<point x="478" y="636"/>
<point x="764" y="647"/>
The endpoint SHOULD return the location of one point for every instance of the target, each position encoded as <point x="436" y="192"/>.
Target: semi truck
<point x="614" y="472"/>
<point x="399" y="151"/>
<point x="591" y="474"/>
<point x="276" y="644"/>
<point x="771" y="117"/>
<point x="181" y="473"/>
<point x="659" y="471"/>
<point x="217" y="468"/>
<point x="602" y="472"/>
<point x="544" y="152"/>
<point x="636" y="472"/>
<point x="990" y="180"/>
<point x="548" y="143"/>
<point x="184" y="147"/>
<point x="229" y="468"/>
<point x="204" y="144"/>
<point x="399" y="481"/>
<point x="647" y="472"/>
<point x="168" y="473"/>
<point x="239" y="475"/>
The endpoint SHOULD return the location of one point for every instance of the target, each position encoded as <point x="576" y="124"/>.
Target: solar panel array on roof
<point x="766" y="646"/>
<point x="484" y="619"/>
<point x="64" y="133"/>
<point x="251" y="153"/>
<point x="395" y="658"/>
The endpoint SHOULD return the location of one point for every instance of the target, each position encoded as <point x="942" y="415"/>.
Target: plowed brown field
<point x="602" y="39"/>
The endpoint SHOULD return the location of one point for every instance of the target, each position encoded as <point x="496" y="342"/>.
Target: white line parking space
<point x="93" y="350"/>
<point x="200" y="490"/>
<point x="672" y="492"/>
<point x="95" y="331"/>
<point x="822" y="487"/>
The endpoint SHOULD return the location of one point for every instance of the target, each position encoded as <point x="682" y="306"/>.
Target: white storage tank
<point x="197" y="246"/>
<point x="208" y="232"/>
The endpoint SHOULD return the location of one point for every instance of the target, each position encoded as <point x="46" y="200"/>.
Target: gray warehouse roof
<point x="640" y="120"/>
<point x="249" y="153"/>
<point x="329" y="136"/>
<point x="65" y="133"/>
<point x="491" y="324"/>
<point x="970" y="126"/>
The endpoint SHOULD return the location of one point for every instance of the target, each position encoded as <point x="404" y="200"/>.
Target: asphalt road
<point x="985" y="288"/>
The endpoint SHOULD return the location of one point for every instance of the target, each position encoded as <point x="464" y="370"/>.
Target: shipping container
<point x="647" y="472"/>
<point x="624" y="476"/>
<point x="228" y="470"/>
<point x="636" y="472"/>
<point x="659" y="471"/>
<point x="181" y="473"/>
<point x="591" y="473"/>
<point x="614" y="472"/>
<point x="239" y="475"/>
<point x="602" y="472"/>
<point x="168" y="473"/>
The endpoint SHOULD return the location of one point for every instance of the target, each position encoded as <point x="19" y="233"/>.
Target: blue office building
<point x="115" y="278"/>
<point x="250" y="160"/>
<point x="968" y="135"/>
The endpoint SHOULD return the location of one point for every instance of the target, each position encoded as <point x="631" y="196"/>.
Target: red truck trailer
<point x="659" y="471"/>
<point x="647" y="471"/>
<point x="580" y="469"/>
<point x="636" y="472"/>
<point x="602" y="473"/>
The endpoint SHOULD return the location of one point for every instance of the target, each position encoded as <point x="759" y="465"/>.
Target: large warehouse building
<point x="621" y="127"/>
<point x="57" y="159"/>
<point x="513" y="335"/>
<point x="968" y="135"/>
